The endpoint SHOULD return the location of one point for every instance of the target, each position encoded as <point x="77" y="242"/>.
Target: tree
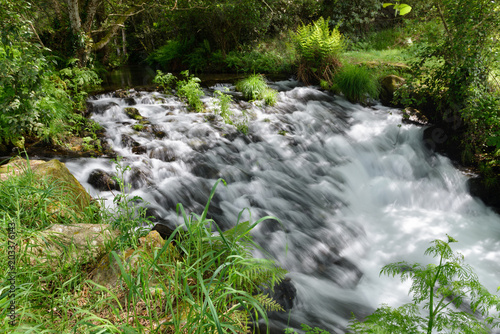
<point x="449" y="292"/>
<point x="452" y="78"/>
<point x="85" y="28"/>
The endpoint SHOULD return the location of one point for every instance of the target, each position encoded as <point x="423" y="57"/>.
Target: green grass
<point x="195" y="282"/>
<point x="392" y="56"/>
<point x="255" y="88"/>
<point x="355" y="82"/>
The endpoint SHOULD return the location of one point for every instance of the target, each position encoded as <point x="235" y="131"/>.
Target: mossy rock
<point x="389" y="84"/>
<point x="133" y="113"/>
<point x="107" y="271"/>
<point x="72" y="189"/>
<point x="68" y="244"/>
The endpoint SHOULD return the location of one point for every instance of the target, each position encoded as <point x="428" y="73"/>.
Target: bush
<point x="164" y="80"/>
<point x="190" y="89"/>
<point x="318" y="49"/>
<point x="255" y="88"/>
<point x="356" y="82"/>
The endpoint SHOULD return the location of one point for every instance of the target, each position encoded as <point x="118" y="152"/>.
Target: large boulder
<point x="102" y="180"/>
<point x="389" y="84"/>
<point x="72" y="189"/>
<point x="68" y="244"/>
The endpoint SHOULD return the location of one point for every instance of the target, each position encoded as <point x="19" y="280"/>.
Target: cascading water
<point x="353" y="187"/>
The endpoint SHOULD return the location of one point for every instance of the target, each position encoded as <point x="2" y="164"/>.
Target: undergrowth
<point x="196" y="281"/>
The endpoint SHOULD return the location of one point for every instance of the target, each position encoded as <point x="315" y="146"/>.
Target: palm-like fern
<point x="319" y="49"/>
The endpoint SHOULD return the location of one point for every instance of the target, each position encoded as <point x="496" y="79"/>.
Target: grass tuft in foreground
<point x="194" y="282"/>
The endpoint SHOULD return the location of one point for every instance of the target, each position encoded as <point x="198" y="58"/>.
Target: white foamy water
<point x="353" y="188"/>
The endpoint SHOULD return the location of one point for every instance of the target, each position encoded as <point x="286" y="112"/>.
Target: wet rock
<point x="414" y="116"/>
<point x="99" y="107"/>
<point x="478" y="186"/>
<point x="389" y="85"/>
<point x="158" y="131"/>
<point x="284" y="294"/>
<point x="130" y="101"/>
<point x="102" y="180"/>
<point x="139" y="149"/>
<point x="128" y="141"/>
<point x="164" y="153"/>
<point x="164" y="231"/>
<point x="140" y="177"/>
<point x="122" y="94"/>
<point x="133" y="113"/>
<point x="206" y="171"/>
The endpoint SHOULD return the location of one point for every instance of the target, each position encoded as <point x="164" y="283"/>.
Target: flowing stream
<point x="353" y="187"/>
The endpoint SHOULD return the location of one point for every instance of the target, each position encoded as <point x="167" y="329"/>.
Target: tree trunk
<point x="74" y="17"/>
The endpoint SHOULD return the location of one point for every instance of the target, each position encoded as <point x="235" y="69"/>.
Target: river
<point x="353" y="187"/>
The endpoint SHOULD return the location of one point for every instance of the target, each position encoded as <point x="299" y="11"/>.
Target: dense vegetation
<point x="52" y="53"/>
<point x="194" y="282"/>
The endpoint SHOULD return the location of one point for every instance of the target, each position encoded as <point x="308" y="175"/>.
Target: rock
<point x="284" y="294"/>
<point x="163" y="153"/>
<point x="73" y="190"/>
<point x="130" y="101"/>
<point x="128" y="141"/>
<point x="140" y="177"/>
<point x="102" y="180"/>
<point x="17" y="166"/>
<point x="133" y="113"/>
<point x="164" y="231"/>
<point x="414" y="116"/>
<point x="71" y="243"/>
<point x="99" y="107"/>
<point x="389" y="85"/>
<point x="139" y="149"/>
<point x="158" y="131"/>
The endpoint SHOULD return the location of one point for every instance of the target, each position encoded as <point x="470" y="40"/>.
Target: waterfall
<point x="353" y="187"/>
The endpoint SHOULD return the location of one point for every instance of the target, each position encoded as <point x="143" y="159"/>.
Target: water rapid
<point x="353" y="187"/>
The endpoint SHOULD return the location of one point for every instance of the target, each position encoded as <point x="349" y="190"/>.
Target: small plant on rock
<point x="255" y="88"/>
<point x="190" y="89"/>
<point x="164" y="80"/>
<point x="356" y="83"/>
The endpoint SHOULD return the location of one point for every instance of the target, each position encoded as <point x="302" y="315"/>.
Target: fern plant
<point x="319" y="49"/>
<point x="441" y="289"/>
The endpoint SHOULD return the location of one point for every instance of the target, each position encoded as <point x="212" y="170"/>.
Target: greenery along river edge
<point x="81" y="268"/>
<point x="451" y="47"/>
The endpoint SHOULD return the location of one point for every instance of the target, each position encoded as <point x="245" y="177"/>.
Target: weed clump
<point x="255" y="88"/>
<point x="356" y="83"/>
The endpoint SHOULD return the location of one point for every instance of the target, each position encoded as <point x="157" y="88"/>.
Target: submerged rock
<point x="102" y="180"/>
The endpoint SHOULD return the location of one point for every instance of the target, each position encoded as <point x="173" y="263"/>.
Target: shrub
<point x="190" y="89"/>
<point x="255" y="88"/>
<point x="355" y="82"/>
<point x="318" y="49"/>
<point x="223" y="101"/>
<point x="164" y="80"/>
